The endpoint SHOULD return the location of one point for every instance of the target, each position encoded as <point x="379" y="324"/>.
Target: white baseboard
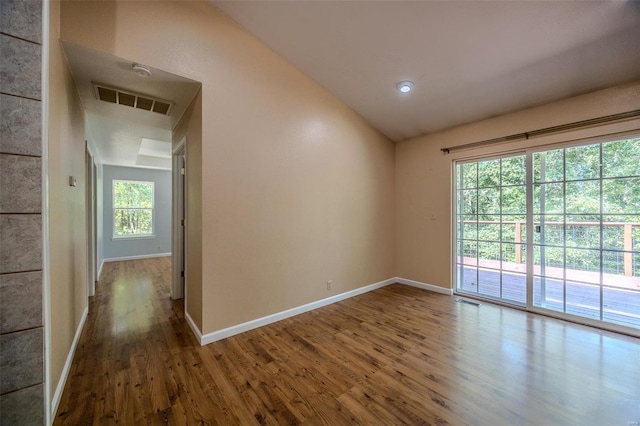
<point x="250" y="325"/>
<point x="67" y="365"/>
<point x="205" y="339"/>
<point x="100" y="270"/>
<point x="193" y="327"/>
<point x="425" y="286"/>
<point x="141" y="256"/>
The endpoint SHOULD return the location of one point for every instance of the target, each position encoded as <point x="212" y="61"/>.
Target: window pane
<point x="489" y="254"/>
<point x="514" y="287"/>
<point x="514" y="257"/>
<point x="470" y="251"/>
<point x="468" y="278"/>
<point x="620" y="158"/>
<point x="489" y="173"/>
<point x="548" y="198"/>
<point x="612" y="264"/>
<point x="613" y="237"/>
<point x="548" y="166"/>
<point x="621" y="306"/>
<point x="489" y="282"/>
<point x="621" y="195"/>
<point x="583" y="197"/>
<point x="489" y="230"/>
<point x="583" y="234"/>
<point x="468" y="201"/>
<point x="489" y="201"/>
<point x="511" y="223"/>
<point x="514" y="200"/>
<point x="548" y="293"/>
<point x="470" y="228"/>
<point x="509" y="231"/>
<point x="132" y="222"/>
<point x="132" y="194"/>
<point x="548" y="261"/>
<point x="583" y="162"/>
<point x="583" y="300"/>
<point x="548" y="230"/>
<point x="583" y="265"/>
<point x="513" y="170"/>
<point x="470" y="175"/>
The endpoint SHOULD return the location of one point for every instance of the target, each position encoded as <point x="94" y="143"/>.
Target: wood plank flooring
<point x="397" y="355"/>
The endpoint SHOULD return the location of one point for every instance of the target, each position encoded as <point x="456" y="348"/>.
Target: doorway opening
<point x="132" y="126"/>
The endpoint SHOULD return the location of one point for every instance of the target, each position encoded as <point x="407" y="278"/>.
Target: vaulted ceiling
<point x="469" y="60"/>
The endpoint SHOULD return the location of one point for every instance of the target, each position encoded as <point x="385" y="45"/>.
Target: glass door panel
<point x="491" y="228"/>
<point x="581" y="218"/>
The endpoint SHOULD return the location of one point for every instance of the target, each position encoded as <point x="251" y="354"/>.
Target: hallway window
<point x="132" y="208"/>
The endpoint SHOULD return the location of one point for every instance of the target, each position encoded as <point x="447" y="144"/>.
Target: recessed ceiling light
<point x="141" y="70"/>
<point x="405" y="86"/>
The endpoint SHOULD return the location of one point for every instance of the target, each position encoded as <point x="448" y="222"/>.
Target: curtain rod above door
<point x="547" y="130"/>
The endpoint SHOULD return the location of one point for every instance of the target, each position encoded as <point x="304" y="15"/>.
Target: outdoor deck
<point x="620" y="300"/>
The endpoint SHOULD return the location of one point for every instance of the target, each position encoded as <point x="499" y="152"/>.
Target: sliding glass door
<point x="491" y="228"/>
<point x="563" y="238"/>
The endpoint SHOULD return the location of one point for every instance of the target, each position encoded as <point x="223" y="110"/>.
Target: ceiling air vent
<point x="121" y="97"/>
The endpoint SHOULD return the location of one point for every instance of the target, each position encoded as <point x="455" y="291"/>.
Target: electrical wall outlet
<point x="329" y="283"/>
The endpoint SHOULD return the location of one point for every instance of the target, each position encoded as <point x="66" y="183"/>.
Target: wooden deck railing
<point x="627" y="243"/>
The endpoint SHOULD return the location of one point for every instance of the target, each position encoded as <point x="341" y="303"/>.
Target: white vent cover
<point x="134" y="100"/>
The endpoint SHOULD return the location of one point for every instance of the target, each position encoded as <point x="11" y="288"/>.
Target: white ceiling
<point x="469" y="60"/>
<point x="118" y="130"/>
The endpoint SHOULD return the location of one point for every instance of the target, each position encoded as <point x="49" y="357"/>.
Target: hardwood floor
<point x="397" y="355"/>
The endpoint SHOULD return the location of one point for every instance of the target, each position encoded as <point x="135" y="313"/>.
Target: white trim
<point x="194" y="327"/>
<point x="100" y="270"/>
<point x="135" y="237"/>
<point x="67" y="365"/>
<point x="141" y="256"/>
<point x="46" y="260"/>
<point x="425" y="286"/>
<point x="178" y="201"/>
<point x="250" y="325"/>
<point x="269" y="319"/>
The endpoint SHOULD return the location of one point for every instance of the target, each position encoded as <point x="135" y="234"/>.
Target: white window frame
<point x="114" y="208"/>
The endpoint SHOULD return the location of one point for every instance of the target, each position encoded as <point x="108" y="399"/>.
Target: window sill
<point x="134" y="237"/>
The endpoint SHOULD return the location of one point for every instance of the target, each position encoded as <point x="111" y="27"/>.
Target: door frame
<point x="179" y="212"/>
<point x="90" y="200"/>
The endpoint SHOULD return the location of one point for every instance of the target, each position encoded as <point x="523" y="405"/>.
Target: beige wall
<point x="296" y="188"/>
<point x="67" y="232"/>
<point x="424" y="173"/>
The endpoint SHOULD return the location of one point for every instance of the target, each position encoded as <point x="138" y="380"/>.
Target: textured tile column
<point x="21" y="322"/>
